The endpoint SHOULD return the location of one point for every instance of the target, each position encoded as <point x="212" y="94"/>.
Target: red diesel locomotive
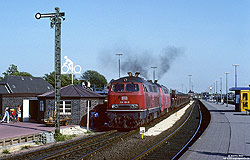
<point x="133" y="101"/>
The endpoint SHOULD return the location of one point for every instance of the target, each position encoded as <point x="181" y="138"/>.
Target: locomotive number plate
<point x="124" y="98"/>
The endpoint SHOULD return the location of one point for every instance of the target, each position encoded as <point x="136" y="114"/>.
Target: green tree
<point x="65" y="79"/>
<point x="94" y="78"/>
<point x="13" y="71"/>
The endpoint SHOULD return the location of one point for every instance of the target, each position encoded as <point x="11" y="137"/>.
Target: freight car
<point x="133" y="101"/>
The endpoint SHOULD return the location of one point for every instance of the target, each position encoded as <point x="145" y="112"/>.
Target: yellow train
<point x="242" y="98"/>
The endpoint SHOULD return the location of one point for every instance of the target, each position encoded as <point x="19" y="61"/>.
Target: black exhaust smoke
<point x="142" y="62"/>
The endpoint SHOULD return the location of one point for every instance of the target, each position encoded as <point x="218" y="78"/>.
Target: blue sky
<point x="212" y="35"/>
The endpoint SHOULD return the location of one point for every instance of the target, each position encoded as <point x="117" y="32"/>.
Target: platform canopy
<point x="239" y="88"/>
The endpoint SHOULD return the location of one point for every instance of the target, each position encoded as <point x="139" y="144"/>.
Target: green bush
<point x="6" y="151"/>
<point x="25" y="147"/>
<point x="37" y="143"/>
<point x="61" y="137"/>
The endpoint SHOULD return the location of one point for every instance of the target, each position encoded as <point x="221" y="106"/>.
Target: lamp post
<point x="119" y="63"/>
<point x="235" y="69"/>
<point x="216" y="91"/>
<point x="226" y="88"/>
<point x="192" y="85"/>
<point x="153" y="73"/>
<point x="190" y="81"/>
<point x="55" y="21"/>
<point x="221" y="89"/>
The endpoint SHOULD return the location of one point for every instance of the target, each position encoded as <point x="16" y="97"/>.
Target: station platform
<point x="226" y="137"/>
<point x="12" y="130"/>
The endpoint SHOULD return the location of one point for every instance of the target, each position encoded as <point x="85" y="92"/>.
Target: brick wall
<point x="13" y="102"/>
<point x="78" y="108"/>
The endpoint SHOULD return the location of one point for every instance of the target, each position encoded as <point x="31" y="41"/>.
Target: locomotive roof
<point x="136" y="79"/>
<point x="129" y="79"/>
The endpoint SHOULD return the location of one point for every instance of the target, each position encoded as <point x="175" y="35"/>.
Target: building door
<point x="33" y="110"/>
<point x="244" y="100"/>
<point x="26" y="110"/>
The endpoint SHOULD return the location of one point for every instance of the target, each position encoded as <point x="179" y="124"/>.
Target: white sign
<point x="68" y="67"/>
<point x="26" y="113"/>
<point x="142" y="130"/>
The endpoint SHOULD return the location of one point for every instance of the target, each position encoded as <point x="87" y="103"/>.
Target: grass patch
<point x="6" y="151"/>
<point x="25" y="147"/>
<point x="88" y="131"/>
<point x="38" y="143"/>
<point x="61" y="137"/>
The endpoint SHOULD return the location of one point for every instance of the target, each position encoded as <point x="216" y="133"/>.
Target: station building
<point x="22" y="91"/>
<point x="74" y="103"/>
<point x="36" y="97"/>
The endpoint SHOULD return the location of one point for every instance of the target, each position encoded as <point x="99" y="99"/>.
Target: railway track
<point x="176" y="143"/>
<point x="80" y="151"/>
<point x="57" y="151"/>
<point x="91" y="147"/>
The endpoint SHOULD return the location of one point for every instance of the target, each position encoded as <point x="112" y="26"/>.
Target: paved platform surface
<point x="11" y="130"/>
<point x="227" y="136"/>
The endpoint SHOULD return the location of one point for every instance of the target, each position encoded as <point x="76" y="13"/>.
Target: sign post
<point x="88" y="115"/>
<point x="142" y="131"/>
<point x="68" y="67"/>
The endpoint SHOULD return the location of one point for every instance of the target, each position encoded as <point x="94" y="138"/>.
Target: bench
<point x="52" y="123"/>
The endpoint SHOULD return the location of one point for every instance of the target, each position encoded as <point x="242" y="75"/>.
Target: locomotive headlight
<point x="114" y="106"/>
<point x="134" y="106"/>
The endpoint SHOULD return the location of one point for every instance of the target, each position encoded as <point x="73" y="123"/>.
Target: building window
<point x="41" y="106"/>
<point x="65" y="108"/>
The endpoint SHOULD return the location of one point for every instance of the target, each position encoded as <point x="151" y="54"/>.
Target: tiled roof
<point x="74" y="92"/>
<point x="25" y="84"/>
<point x="3" y="89"/>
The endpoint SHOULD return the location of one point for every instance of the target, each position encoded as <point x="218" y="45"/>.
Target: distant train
<point x="133" y="101"/>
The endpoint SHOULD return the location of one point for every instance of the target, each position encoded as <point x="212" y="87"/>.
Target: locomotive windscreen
<point x="117" y="88"/>
<point x="132" y="87"/>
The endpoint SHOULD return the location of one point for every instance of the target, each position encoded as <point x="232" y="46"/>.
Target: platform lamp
<point x="221" y="89"/>
<point x="216" y="93"/>
<point x="55" y="21"/>
<point x="119" y="63"/>
<point x="235" y="69"/>
<point x="226" y="88"/>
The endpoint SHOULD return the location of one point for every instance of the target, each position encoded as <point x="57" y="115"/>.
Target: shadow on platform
<point x="222" y="110"/>
<point x="230" y="155"/>
<point x="212" y="153"/>
<point x="241" y="114"/>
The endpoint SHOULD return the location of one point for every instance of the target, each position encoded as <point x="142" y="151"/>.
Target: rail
<point x="151" y="149"/>
<point x="185" y="146"/>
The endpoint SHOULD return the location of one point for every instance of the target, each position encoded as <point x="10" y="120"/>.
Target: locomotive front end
<point x="125" y="101"/>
